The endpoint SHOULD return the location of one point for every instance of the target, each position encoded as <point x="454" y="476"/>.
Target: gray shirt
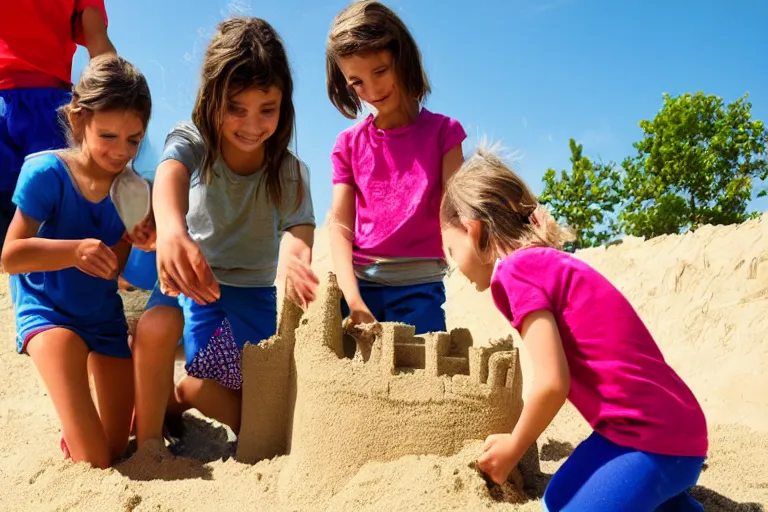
<point x="232" y="219"/>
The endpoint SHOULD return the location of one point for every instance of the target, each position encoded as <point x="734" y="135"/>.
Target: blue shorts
<point x="215" y="334"/>
<point x="29" y="122"/>
<point x="601" y="476"/>
<point x="108" y="336"/>
<point x="420" y="305"/>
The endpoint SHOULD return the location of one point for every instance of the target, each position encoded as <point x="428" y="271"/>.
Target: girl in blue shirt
<point x="64" y="250"/>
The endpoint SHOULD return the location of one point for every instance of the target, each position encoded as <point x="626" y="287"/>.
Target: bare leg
<point x="113" y="394"/>
<point x="212" y="399"/>
<point x="154" y="348"/>
<point x="61" y="357"/>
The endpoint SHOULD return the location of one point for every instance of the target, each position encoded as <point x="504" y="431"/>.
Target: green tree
<point x="584" y="199"/>
<point x="695" y="165"/>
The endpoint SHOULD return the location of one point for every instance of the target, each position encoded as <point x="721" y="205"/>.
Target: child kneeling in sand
<point x="587" y="344"/>
<point x="226" y="188"/>
<point x="64" y="250"/>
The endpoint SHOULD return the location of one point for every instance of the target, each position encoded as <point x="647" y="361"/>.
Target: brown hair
<point x="246" y="52"/>
<point x="108" y="83"/>
<point x="485" y="189"/>
<point x="364" y="27"/>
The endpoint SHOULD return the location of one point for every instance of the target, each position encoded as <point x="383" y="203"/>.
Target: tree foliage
<point x="583" y="198"/>
<point x="694" y="166"/>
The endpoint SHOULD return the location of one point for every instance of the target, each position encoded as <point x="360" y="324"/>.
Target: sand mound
<point x="703" y="296"/>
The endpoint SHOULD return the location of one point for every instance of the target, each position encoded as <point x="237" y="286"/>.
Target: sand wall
<point x="400" y="395"/>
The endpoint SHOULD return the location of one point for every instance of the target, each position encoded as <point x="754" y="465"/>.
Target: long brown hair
<point x="108" y="83"/>
<point x="246" y="52"/>
<point x="485" y="189"/>
<point x="364" y="27"/>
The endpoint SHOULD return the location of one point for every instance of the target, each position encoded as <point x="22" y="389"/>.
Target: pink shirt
<point x="397" y="177"/>
<point x="620" y="382"/>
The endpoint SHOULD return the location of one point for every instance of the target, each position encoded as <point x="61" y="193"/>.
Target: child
<point x="35" y="78"/>
<point x="389" y="171"/>
<point x="65" y="248"/>
<point x="232" y="176"/>
<point x="587" y="344"/>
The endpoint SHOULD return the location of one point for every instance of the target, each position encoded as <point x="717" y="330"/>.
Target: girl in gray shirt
<point x="227" y="189"/>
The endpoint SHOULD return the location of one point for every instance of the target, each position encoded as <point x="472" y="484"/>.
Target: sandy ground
<point x="703" y="295"/>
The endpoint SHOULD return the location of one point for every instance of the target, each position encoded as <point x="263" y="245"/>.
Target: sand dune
<point x="703" y="295"/>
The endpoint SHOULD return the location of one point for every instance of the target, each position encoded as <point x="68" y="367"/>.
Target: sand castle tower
<point x="401" y="394"/>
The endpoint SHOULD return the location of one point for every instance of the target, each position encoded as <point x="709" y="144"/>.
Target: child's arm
<point x="551" y="384"/>
<point x="294" y="265"/>
<point x="182" y="268"/>
<point x="451" y="163"/>
<point x="24" y="252"/>
<point x="342" y="235"/>
<point x="122" y="250"/>
<point x="91" y="31"/>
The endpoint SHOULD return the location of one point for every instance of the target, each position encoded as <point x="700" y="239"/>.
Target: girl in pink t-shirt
<point x="389" y="171"/>
<point x="587" y="344"/>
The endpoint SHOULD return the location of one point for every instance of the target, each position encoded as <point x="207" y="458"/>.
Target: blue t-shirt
<point x="47" y="192"/>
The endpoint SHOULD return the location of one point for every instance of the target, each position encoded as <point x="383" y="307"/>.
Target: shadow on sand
<point x="202" y="442"/>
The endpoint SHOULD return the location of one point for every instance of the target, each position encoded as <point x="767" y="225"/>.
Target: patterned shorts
<point x="220" y="360"/>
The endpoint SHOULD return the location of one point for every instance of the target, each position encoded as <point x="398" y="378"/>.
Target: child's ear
<point x="474" y="229"/>
<point x="75" y="119"/>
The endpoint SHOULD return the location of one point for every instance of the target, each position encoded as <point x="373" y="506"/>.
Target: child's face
<point x="112" y="139"/>
<point x="251" y="118"/>
<point x="461" y="246"/>
<point x="373" y="77"/>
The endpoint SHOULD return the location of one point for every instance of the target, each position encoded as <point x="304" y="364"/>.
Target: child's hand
<point x="144" y="235"/>
<point x="96" y="259"/>
<point x="359" y="314"/>
<point x="496" y="460"/>
<point x="301" y="282"/>
<point x="182" y="268"/>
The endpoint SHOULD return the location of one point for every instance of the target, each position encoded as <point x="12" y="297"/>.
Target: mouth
<point x="117" y="164"/>
<point x="250" y="140"/>
<point x="380" y="100"/>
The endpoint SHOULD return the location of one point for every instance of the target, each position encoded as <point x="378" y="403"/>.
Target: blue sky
<point x="528" y="73"/>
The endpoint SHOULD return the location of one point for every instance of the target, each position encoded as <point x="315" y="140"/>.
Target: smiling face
<point x="373" y="77"/>
<point x="250" y="119"/>
<point x="111" y="138"/>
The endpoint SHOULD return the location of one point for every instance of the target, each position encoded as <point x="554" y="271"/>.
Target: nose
<point x="124" y="151"/>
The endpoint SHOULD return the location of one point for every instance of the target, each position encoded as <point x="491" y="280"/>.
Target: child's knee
<point x="97" y="455"/>
<point x="160" y="324"/>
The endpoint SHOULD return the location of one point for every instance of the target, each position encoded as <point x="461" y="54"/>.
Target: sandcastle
<point x="401" y="394"/>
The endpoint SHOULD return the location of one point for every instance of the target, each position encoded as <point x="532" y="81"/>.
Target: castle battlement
<point x="424" y="394"/>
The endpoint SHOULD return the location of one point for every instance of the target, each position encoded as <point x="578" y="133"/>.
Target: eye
<point x="356" y="83"/>
<point x="380" y="72"/>
<point x="107" y="136"/>
<point x="235" y="110"/>
<point x="134" y="143"/>
<point x="269" y="111"/>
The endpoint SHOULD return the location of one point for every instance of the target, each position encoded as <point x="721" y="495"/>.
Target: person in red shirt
<point x="37" y="42"/>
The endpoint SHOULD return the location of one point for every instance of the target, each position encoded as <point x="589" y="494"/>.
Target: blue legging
<point x="603" y="476"/>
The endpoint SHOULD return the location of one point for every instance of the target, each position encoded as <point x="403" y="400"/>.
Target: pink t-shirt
<point x="397" y="177"/>
<point x="620" y="382"/>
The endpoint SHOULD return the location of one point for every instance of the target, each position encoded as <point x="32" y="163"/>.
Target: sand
<point x="703" y="296"/>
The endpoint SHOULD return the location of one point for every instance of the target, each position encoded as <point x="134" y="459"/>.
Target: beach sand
<point x="704" y="296"/>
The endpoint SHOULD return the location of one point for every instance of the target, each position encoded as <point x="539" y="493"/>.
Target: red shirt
<point x="38" y="40"/>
